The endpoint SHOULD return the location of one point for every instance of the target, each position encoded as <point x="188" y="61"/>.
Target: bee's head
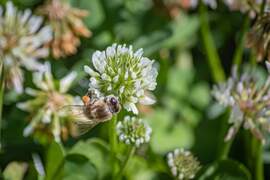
<point x="113" y="103"/>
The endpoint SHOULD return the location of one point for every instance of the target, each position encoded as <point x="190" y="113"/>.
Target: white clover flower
<point x="183" y="164"/>
<point x="124" y="73"/>
<point x="49" y="98"/>
<point x="222" y="91"/>
<point x="249" y="103"/>
<point x="22" y="43"/>
<point x="133" y="131"/>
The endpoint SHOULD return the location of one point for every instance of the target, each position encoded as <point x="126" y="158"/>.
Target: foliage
<point x="194" y="47"/>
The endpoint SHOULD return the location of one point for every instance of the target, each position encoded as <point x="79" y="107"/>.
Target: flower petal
<point x="131" y="107"/>
<point x="98" y="60"/>
<point x="66" y="82"/>
<point x="90" y="71"/>
<point x="147" y="100"/>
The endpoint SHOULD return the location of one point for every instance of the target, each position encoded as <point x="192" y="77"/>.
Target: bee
<point x="95" y="110"/>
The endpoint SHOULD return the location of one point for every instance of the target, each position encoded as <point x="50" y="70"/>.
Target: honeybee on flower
<point x="126" y="74"/>
<point x="96" y="109"/>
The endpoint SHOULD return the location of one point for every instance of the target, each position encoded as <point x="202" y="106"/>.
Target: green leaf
<point x="199" y="95"/>
<point x="179" y="81"/>
<point x="139" y="170"/>
<point x="97" y="151"/>
<point x="79" y="167"/>
<point x="54" y="161"/>
<point x="26" y="3"/>
<point x="96" y="13"/>
<point x="31" y="172"/>
<point x="167" y="133"/>
<point x="127" y="30"/>
<point x="179" y="32"/>
<point x="152" y="42"/>
<point x="224" y="170"/>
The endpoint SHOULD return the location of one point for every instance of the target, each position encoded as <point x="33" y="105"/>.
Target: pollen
<point x="86" y="99"/>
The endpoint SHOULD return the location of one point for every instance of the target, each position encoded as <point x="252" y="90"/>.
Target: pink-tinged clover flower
<point x="248" y="101"/>
<point x="67" y="26"/>
<point x="49" y="97"/>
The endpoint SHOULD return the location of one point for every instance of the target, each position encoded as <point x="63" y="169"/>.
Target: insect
<point x="95" y="110"/>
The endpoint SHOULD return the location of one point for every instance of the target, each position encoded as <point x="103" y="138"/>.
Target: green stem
<point x="252" y="58"/>
<point x="238" y="56"/>
<point x="217" y="71"/>
<point x="224" y="146"/>
<point x="262" y="7"/>
<point x="257" y="149"/>
<point x="2" y="89"/>
<point x="211" y="51"/>
<point x="130" y="153"/>
<point x="113" y="144"/>
<point x="224" y="152"/>
<point x="253" y="155"/>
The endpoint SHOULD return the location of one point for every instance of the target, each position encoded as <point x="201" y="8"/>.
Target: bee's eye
<point x="113" y="101"/>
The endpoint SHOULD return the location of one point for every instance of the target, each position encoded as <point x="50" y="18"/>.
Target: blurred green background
<point x="185" y="114"/>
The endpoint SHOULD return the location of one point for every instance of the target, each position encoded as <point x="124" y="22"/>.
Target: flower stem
<point x="237" y="59"/>
<point x="224" y="146"/>
<point x="262" y="7"/>
<point x="253" y="155"/>
<point x="252" y="58"/>
<point x="217" y="72"/>
<point x="224" y="152"/>
<point x="2" y="89"/>
<point x="211" y="51"/>
<point x="130" y="153"/>
<point x="256" y="155"/>
<point x="113" y="141"/>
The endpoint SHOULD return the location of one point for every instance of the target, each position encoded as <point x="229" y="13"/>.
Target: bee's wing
<point x="74" y="110"/>
<point x="81" y="122"/>
<point x="84" y="125"/>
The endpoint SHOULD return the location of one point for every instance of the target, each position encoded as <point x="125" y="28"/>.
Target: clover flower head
<point x="188" y="4"/>
<point x="67" y="26"/>
<point x="210" y="3"/>
<point x="222" y="91"/>
<point x="49" y="97"/>
<point x="22" y="43"/>
<point x="248" y="101"/>
<point x="253" y="7"/>
<point x="133" y="131"/>
<point x="126" y="74"/>
<point x="258" y="37"/>
<point x="183" y="164"/>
